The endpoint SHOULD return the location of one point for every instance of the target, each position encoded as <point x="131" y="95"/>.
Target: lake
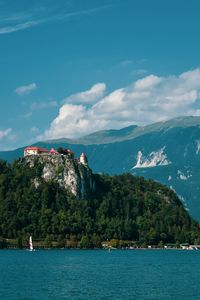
<point x="99" y="274"/>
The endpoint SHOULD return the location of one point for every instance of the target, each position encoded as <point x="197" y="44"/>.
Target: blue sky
<point x="73" y="67"/>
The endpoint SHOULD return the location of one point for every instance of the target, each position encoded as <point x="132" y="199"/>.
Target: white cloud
<point x="17" y="27"/>
<point x="147" y="82"/>
<point x="5" y="133"/>
<point x="89" y="96"/>
<point x="43" y="105"/>
<point x="26" y="89"/>
<point x="75" y="116"/>
<point x="146" y="100"/>
<point x="24" y="21"/>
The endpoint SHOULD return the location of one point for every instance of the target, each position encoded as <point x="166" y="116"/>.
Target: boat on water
<point x="31" y="244"/>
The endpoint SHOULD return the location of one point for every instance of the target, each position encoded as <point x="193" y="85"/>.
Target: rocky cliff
<point x="69" y="173"/>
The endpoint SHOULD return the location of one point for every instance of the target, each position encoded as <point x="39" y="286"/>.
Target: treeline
<point x="124" y="208"/>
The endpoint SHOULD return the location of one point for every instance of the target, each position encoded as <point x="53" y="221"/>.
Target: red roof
<point x="68" y="150"/>
<point x="36" y="148"/>
<point x="53" y="151"/>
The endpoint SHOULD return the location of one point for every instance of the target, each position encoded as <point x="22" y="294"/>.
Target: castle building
<point x="83" y="159"/>
<point x="53" y="151"/>
<point x="32" y="150"/>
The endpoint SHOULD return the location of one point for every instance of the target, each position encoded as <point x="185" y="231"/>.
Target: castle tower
<point x="53" y="151"/>
<point x="83" y="159"/>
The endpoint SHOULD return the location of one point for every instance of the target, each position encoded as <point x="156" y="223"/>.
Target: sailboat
<point x="31" y="244"/>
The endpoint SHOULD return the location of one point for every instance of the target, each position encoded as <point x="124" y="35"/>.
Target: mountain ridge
<point x="131" y="131"/>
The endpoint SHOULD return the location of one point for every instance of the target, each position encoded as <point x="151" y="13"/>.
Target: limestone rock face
<point x="69" y="173"/>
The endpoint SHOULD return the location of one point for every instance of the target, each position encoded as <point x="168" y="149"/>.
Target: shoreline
<point x="96" y="249"/>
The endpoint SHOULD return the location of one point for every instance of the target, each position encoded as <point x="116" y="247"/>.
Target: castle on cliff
<point x="38" y="151"/>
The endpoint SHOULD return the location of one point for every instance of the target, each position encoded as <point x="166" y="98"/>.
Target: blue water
<point x="99" y="274"/>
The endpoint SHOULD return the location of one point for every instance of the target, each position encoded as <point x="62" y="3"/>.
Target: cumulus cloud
<point x="5" y="133"/>
<point x="26" y="89"/>
<point x="146" y="100"/>
<point x="147" y="83"/>
<point x="89" y="96"/>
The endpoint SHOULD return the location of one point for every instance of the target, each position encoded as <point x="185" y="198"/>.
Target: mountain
<point x="100" y="137"/>
<point x="168" y="152"/>
<point x="40" y="196"/>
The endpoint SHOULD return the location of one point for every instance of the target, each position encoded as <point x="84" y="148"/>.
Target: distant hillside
<point x="168" y="152"/>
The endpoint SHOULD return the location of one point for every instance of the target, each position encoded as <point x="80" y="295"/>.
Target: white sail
<point x="30" y="244"/>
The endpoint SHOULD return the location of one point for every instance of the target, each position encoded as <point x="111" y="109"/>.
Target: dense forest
<point x="124" y="208"/>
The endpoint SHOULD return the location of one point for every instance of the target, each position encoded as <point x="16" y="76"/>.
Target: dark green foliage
<point x="66" y="152"/>
<point x="122" y="208"/>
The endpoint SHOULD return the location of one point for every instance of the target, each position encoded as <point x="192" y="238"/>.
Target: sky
<point x="72" y="67"/>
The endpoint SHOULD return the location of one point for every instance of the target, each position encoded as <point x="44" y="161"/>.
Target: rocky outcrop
<point x="69" y="173"/>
